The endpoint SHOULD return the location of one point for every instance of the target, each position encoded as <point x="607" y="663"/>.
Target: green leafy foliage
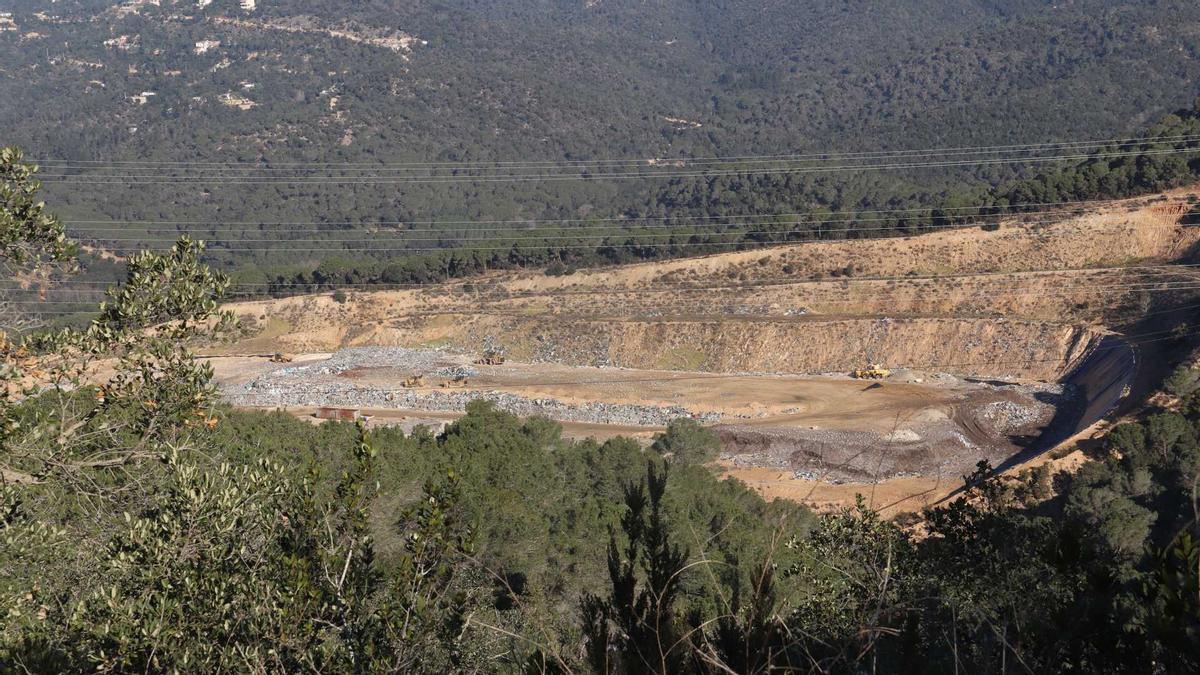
<point x="27" y="233"/>
<point x="636" y="628"/>
<point x="72" y="422"/>
<point x="132" y="545"/>
<point x="850" y="573"/>
<point x="236" y="567"/>
<point x="686" y="441"/>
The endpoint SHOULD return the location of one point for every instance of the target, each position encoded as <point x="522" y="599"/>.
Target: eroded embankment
<point x="1100" y="381"/>
<point x="1030" y="350"/>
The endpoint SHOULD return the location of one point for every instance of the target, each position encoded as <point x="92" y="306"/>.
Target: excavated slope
<point x="1024" y="300"/>
<point x="1031" y="350"/>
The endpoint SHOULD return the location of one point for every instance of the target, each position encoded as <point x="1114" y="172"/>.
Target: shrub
<point x="339" y="297"/>
<point x="1183" y="382"/>
<point x="559" y="269"/>
<point x="1127" y="438"/>
<point x="688" y="442"/>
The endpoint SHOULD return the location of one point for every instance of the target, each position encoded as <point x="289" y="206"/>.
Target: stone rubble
<point x="318" y="384"/>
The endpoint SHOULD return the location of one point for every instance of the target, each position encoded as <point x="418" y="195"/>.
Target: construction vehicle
<point x="491" y="357"/>
<point x="280" y="357"/>
<point x="873" y="371"/>
<point x="458" y="382"/>
<point x="414" y="381"/>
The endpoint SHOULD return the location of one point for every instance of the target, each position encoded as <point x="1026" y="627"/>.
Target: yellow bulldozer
<point x="491" y="357"/>
<point x="280" y="357"/>
<point x="414" y="381"/>
<point x="873" y="371"/>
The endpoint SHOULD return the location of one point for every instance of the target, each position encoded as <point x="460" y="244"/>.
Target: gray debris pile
<point x="318" y="385"/>
<point x="1006" y="417"/>
<point x="415" y="360"/>
<point x="840" y="456"/>
<point x="455" y="372"/>
<point x="276" y="393"/>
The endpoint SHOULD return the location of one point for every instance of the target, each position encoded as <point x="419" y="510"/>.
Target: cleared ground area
<point x="1002" y="342"/>
<point x="830" y="428"/>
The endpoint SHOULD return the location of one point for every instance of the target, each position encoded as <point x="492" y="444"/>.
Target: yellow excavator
<point x="873" y="371"/>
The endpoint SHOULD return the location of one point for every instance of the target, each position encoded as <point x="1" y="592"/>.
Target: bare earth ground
<point x="756" y="344"/>
<point x="828" y="428"/>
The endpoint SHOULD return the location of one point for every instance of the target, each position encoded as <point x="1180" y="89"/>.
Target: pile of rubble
<point x="318" y="384"/>
<point x="842" y="456"/>
<point x="1007" y="417"/>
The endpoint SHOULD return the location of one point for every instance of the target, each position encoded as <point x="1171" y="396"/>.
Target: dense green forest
<point x="655" y="233"/>
<point x="147" y="528"/>
<point x="753" y="211"/>
<point x="372" y="84"/>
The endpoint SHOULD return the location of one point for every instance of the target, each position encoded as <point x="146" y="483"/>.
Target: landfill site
<point x="836" y="427"/>
<point x="827" y="369"/>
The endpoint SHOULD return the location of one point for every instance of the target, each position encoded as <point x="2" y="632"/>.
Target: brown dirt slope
<point x="928" y="302"/>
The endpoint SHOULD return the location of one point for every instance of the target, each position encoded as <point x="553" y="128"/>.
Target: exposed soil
<point x="977" y="326"/>
<point x="827" y="428"/>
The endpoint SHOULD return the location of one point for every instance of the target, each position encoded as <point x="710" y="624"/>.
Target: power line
<point x="749" y="244"/>
<point x="535" y="224"/>
<point x="523" y="235"/>
<point x="1019" y="219"/>
<point x="82" y="179"/>
<point x="819" y="232"/>
<point x="1014" y="209"/>
<point x="520" y="163"/>
<point x="399" y="237"/>
<point x="1083" y="289"/>
<point x="585" y="165"/>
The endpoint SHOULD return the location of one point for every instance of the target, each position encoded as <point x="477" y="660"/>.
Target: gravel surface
<point x="990" y="412"/>
<point x="989" y="417"/>
<point x="320" y="384"/>
<point x="835" y="455"/>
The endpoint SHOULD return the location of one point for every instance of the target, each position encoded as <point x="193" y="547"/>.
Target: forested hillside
<point x="378" y="83"/>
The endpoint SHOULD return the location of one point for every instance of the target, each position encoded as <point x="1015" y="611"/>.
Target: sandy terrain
<point x="842" y="403"/>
